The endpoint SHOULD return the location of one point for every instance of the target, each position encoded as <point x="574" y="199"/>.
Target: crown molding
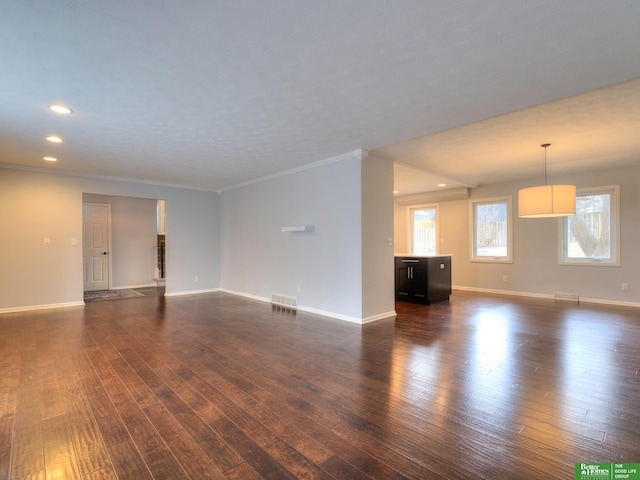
<point x="102" y="177"/>
<point x="359" y="153"/>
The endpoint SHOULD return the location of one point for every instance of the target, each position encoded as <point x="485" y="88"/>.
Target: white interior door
<point x="95" y="246"/>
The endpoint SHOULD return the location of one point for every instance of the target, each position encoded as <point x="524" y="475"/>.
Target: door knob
<point x="105" y="253"/>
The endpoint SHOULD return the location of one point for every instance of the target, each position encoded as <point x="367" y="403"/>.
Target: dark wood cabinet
<point x="423" y="279"/>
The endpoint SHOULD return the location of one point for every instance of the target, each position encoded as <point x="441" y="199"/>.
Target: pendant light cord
<point x="545" y="145"/>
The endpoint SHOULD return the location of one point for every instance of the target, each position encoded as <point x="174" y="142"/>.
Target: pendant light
<point x="547" y="200"/>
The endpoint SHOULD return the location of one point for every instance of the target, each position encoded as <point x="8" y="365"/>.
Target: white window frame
<point x="473" y="204"/>
<point x="614" y="261"/>
<point x="426" y="206"/>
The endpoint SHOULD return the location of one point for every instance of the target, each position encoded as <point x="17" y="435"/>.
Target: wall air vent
<point x="285" y="301"/>
<point x="567" y="297"/>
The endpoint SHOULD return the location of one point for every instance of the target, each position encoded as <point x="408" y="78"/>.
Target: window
<point x="591" y="236"/>
<point x="491" y="239"/>
<point x="423" y="222"/>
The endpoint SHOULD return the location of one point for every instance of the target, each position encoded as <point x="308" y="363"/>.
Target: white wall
<point x="323" y="268"/>
<point x="134" y="244"/>
<point x="34" y="205"/>
<point x="378" y="294"/>
<point x="535" y="268"/>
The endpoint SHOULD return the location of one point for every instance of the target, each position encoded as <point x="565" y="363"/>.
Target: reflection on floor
<point x="151" y="291"/>
<point x="102" y="295"/>
<point x="217" y="386"/>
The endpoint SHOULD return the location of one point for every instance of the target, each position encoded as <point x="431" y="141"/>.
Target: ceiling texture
<point x="213" y="94"/>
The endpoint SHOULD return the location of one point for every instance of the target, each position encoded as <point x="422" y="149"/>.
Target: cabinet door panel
<point x="420" y="280"/>
<point x="403" y="282"/>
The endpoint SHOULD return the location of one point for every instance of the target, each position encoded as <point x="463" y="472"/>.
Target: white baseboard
<point x="316" y="311"/>
<point x="324" y="313"/>
<point x="346" y="318"/>
<point x="618" y="303"/>
<point x="503" y="292"/>
<point x="41" y="307"/>
<point x="246" y="295"/>
<point x="380" y="316"/>
<point x="191" y="292"/>
<point x="548" y="296"/>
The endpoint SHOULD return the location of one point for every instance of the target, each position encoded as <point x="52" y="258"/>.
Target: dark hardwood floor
<point x="219" y="387"/>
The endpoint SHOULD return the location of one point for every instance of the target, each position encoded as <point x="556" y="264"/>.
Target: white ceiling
<point x="212" y="94"/>
<point x="595" y="130"/>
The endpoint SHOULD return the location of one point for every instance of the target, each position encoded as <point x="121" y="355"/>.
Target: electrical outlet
<point x="504" y="278"/>
<point x="196" y="278"/>
<point x="47" y="241"/>
<point x="624" y="287"/>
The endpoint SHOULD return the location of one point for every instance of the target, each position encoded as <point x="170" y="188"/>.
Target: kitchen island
<point x="423" y="279"/>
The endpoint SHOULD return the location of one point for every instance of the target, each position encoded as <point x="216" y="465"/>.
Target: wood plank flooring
<point x="216" y="386"/>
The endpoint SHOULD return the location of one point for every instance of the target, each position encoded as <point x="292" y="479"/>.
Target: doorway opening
<point x="161" y="219"/>
<point x="132" y="256"/>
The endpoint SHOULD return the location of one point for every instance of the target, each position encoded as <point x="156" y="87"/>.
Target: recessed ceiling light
<point x="60" y="109"/>
<point x="442" y="184"/>
<point x="50" y="159"/>
<point x="54" y="139"/>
